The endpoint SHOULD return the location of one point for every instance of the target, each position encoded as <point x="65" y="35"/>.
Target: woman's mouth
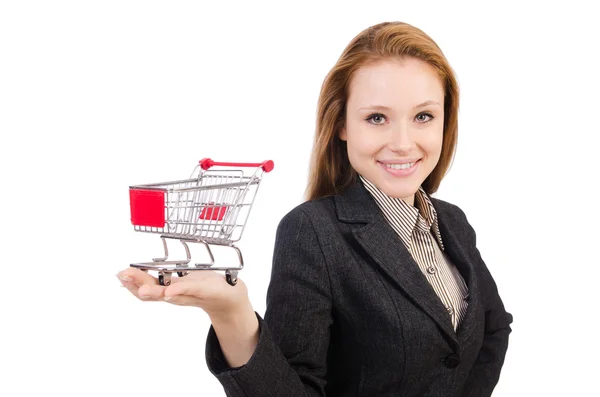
<point x="400" y="169"/>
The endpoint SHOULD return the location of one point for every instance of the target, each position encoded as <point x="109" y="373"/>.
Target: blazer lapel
<point x="455" y="244"/>
<point x="383" y="245"/>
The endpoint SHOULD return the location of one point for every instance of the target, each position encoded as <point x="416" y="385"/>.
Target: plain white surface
<point x="97" y="96"/>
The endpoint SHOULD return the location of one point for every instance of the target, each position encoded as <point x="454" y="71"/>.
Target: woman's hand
<point x="205" y="289"/>
<point x="228" y="307"/>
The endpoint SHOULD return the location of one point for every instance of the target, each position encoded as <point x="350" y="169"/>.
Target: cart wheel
<point x="164" y="279"/>
<point x="181" y="274"/>
<point x="231" y="278"/>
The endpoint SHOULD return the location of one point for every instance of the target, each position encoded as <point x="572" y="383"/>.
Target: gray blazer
<point x="349" y="313"/>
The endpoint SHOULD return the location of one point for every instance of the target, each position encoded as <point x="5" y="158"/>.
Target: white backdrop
<point x="99" y="95"/>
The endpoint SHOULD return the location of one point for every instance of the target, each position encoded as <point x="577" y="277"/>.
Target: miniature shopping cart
<point x="209" y="208"/>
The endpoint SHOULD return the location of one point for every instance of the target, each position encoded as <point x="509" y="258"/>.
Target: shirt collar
<point x="403" y="217"/>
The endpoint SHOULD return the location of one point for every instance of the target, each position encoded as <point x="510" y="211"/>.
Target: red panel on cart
<point x="213" y="213"/>
<point x="147" y="207"/>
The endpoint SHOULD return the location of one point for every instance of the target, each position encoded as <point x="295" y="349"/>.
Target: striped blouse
<point x="418" y="229"/>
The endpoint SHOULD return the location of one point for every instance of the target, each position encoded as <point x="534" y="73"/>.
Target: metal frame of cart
<point x="211" y="207"/>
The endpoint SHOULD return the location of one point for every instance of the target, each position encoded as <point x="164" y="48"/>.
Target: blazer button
<point x="452" y="360"/>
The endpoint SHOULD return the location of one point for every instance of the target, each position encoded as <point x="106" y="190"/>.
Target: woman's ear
<point x="342" y="134"/>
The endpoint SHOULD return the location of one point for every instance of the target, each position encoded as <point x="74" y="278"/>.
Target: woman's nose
<point x="400" y="138"/>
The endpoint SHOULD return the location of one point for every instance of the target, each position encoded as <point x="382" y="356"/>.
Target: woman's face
<point x="395" y="120"/>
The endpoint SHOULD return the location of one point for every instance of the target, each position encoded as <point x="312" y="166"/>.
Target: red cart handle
<point x="266" y="165"/>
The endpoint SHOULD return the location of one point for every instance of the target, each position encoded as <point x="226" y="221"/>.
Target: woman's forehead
<point x="395" y="83"/>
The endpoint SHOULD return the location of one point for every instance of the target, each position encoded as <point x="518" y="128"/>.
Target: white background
<point x="99" y="95"/>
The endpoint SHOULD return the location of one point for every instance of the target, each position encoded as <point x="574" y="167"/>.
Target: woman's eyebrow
<point x="426" y="103"/>
<point x="375" y="107"/>
<point x="385" y="108"/>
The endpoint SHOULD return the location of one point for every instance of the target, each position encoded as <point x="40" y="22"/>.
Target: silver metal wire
<point x="210" y="207"/>
<point x="213" y="206"/>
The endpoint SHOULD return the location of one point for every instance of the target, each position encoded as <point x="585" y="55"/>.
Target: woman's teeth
<point x="400" y="166"/>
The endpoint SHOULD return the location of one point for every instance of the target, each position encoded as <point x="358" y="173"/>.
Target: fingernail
<point x="167" y="297"/>
<point x="144" y="296"/>
<point x="125" y="278"/>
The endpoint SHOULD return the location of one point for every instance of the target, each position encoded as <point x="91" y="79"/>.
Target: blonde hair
<point x="330" y="170"/>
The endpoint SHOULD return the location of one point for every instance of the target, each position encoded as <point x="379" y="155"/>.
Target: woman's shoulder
<point x="452" y="214"/>
<point x="447" y="207"/>
<point x="315" y="211"/>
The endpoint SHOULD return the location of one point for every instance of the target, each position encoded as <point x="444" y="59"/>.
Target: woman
<point x="377" y="289"/>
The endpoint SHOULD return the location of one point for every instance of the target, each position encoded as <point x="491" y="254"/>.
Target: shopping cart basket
<point x="209" y="208"/>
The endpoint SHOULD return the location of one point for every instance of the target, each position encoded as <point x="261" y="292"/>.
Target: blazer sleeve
<point x="290" y="358"/>
<point x="486" y="371"/>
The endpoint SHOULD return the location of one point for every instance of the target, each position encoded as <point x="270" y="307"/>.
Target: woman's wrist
<point x="236" y="317"/>
<point x="237" y="332"/>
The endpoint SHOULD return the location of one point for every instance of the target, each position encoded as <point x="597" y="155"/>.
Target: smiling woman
<point x="377" y="289"/>
<point x="396" y="143"/>
<point x="395" y="77"/>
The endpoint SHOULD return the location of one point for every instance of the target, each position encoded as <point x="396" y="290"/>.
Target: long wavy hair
<point x="330" y="170"/>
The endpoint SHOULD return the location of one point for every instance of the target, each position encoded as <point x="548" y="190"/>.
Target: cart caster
<point x="231" y="277"/>
<point x="181" y="274"/>
<point x="164" y="279"/>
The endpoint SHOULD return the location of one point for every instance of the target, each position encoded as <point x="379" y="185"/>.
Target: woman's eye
<point x="427" y="119"/>
<point x="376" y="118"/>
